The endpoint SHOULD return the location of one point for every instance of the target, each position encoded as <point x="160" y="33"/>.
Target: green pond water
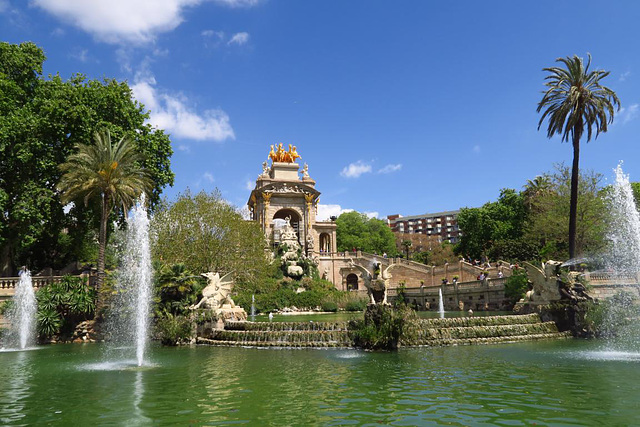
<point x="569" y="382"/>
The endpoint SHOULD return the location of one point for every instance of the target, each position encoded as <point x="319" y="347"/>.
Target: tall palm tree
<point x="109" y="172"/>
<point x="576" y="100"/>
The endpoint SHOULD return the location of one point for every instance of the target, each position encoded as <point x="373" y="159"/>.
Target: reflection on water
<point x="546" y="383"/>
<point x="16" y="387"/>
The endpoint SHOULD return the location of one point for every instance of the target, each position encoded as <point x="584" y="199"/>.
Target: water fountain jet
<point x="129" y="322"/>
<point x="22" y="315"/>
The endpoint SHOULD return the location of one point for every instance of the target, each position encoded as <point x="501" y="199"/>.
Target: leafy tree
<point x="576" y="100"/>
<point x="356" y="230"/>
<point x="205" y="233"/>
<point x="42" y="120"/>
<point x="548" y="227"/>
<point x="493" y="222"/>
<point x="108" y="172"/>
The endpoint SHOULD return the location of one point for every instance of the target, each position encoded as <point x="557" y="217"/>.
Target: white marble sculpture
<point x="376" y="282"/>
<point x="545" y="282"/>
<point x="216" y="296"/>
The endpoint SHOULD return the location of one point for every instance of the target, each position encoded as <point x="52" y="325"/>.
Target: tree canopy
<point x="532" y="224"/>
<point x="492" y="224"/>
<point x="205" y="233"/>
<point x="42" y="120"/>
<point x="355" y="230"/>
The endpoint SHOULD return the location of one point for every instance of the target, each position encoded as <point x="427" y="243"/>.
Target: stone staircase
<point x="278" y="334"/>
<point x="479" y="330"/>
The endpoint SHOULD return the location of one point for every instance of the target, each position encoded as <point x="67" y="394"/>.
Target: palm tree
<point x="407" y="244"/>
<point x="575" y="100"/>
<point x="105" y="171"/>
<point x="535" y="188"/>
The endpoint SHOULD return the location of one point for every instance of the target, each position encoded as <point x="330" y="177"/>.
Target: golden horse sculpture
<point x="280" y="155"/>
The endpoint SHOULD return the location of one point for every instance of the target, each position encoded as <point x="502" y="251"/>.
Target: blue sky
<point x="397" y="107"/>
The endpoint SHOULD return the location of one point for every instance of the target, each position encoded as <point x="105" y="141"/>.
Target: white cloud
<point x="81" y="55"/>
<point x="212" y="38"/>
<point x="325" y="212"/>
<point x="249" y="185"/>
<point x="354" y="170"/>
<point x="239" y="39"/>
<point x="173" y="113"/>
<point x="208" y="176"/>
<point x="476" y="149"/>
<point x="391" y="168"/>
<point x="4" y="5"/>
<point x="125" y="21"/>
<point x="238" y="3"/>
<point x="628" y="114"/>
<point x="624" y="76"/>
<point x="184" y="148"/>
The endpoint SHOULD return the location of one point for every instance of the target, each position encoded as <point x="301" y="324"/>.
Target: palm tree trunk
<point x="573" y="206"/>
<point x="102" y="243"/>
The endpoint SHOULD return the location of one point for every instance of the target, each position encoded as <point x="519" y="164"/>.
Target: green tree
<point x="355" y="230"/>
<point x="536" y="188"/>
<point x="576" y="100"/>
<point x="494" y="222"/>
<point x="205" y="233"/>
<point x="547" y="224"/>
<point x="42" y="120"/>
<point x="111" y="173"/>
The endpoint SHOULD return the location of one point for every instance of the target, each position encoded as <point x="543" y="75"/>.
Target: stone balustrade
<point x="8" y="284"/>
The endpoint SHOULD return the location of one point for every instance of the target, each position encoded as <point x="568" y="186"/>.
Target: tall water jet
<point x="622" y="261"/>
<point x="440" y="304"/>
<point x="23" y="313"/>
<point x="129" y="321"/>
<point x="624" y="234"/>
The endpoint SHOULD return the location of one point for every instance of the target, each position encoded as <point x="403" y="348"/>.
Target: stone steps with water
<point x="424" y="332"/>
<point x="480" y="330"/>
<point x="280" y="334"/>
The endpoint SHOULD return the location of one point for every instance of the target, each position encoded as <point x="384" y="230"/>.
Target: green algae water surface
<point x="542" y="383"/>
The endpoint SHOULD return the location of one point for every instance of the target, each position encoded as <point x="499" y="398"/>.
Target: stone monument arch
<point x="283" y="190"/>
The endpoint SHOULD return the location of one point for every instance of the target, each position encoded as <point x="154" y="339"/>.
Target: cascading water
<point x="624" y="235"/>
<point x="23" y="314"/>
<point x="440" y="304"/>
<point x="129" y="322"/>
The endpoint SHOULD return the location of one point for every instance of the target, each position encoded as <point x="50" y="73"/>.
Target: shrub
<point x="5" y="306"/>
<point x="62" y="305"/>
<point x="516" y="285"/>
<point x="173" y="329"/>
<point x="356" y="305"/>
<point x="330" y="306"/>
<point x="382" y="328"/>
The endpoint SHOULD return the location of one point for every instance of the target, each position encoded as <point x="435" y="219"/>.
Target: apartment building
<point x="441" y="225"/>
